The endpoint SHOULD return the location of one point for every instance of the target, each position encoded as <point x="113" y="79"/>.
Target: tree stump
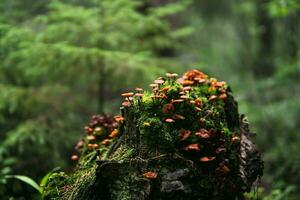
<point x="184" y="140"/>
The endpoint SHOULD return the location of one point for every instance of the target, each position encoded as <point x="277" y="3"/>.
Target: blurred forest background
<point x="63" y="61"/>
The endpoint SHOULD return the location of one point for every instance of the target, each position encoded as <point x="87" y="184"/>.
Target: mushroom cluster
<point x="100" y="132"/>
<point x="194" y="116"/>
<point x="191" y="116"/>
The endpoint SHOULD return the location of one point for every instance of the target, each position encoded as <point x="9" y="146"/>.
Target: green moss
<point x="123" y="152"/>
<point x="52" y="184"/>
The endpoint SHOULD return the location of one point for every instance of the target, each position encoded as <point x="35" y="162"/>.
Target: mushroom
<point x="200" y="80"/>
<point x="198" y="102"/>
<point x="179" y="117"/>
<point x="91" y="137"/>
<point x="202" y="133"/>
<point x="177" y="100"/>
<point x="126" y="104"/>
<point x="79" y="144"/>
<point x="187" y="82"/>
<point x="187" y="88"/>
<point x="168" y="108"/>
<point x="159" y="81"/>
<point x="207" y="159"/>
<point x="202" y="120"/>
<point x="153" y="85"/>
<point x="119" y="118"/>
<point x="223" y="96"/>
<point x="139" y="90"/>
<point x="212" y="97"/>
<point x="98" y="129"/>
<point x="127" y="94"/>
<point x="105" y="142"/>
<point x="171" y="75"/>
<point x="114" y="133"/>
<point x="198" y="109"/>
<point x="184" y="97"/>
<point x="220" y="84"/>
<point x="169" y="120"/>
<point x="150" y="175"/>
<point x="194" y="147"/>
<point x="74" y="157"/>
<point x="184" y="134"/>
<point x="90" y="146"/>
<point x="139" y="95"/>
<point x="164" y="89"/>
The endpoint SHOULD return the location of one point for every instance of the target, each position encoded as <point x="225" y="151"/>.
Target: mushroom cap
<point x="139" y="95"/>
<point x="184" y="134"/>
<point x="169" y="120"/>
<point x="194" y="147"/>
<point x="74" y="157"/>
<point x="207" y="158"/>
<point x="150" y="175"/>
<point x="159" y="81"/>
<point x="139" y="89"/>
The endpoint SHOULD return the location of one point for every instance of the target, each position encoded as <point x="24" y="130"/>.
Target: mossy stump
<point x="183" y="140"/>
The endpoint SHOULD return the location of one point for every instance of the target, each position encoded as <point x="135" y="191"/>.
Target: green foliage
<point x="281" y="8"/>
<point x="56" y="57"/>
<point x="26" y="180"/>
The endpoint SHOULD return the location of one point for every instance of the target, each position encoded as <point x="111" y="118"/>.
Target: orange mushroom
<point x="79" y="144"/>
<point x="139" y="95"/>
<point x="178" y="117"/>
<point x="159" y="81"/>
<point x="127" y="94"/>
<point x="177" y="100"/>
<point x="192" y="74"/>
<point x="187" y="88"/>
<point x="105" y="142"/>
<point x="202" y="133"/>
<point x="220" y="84"/>
<point x="212" y="97"/>
<point x="138" y="89"/>
<point x="119" y="118"/>
<point x="74" y="157"/>
<point x="114" y="133"/>
<point x="184" y="97"/>
<point x="223" y="96"/>
<point x="207" y="159"/>
<point x="169" y="120"/>
<point x="150" y="175"/>
<point x="198" y="102"/>
<point x="187" y="82"/>
<point x="168" y="108"/>
<point x="200" y="80"/>
<point x="164" y="89"/>
<point x="184" y="134"/>
<point x="194" y="147"/>
<point x="90" y="146"/>
<point x="153" y="85"/>
<point x="126" y="104"/>
<point x="91" y="137"/>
